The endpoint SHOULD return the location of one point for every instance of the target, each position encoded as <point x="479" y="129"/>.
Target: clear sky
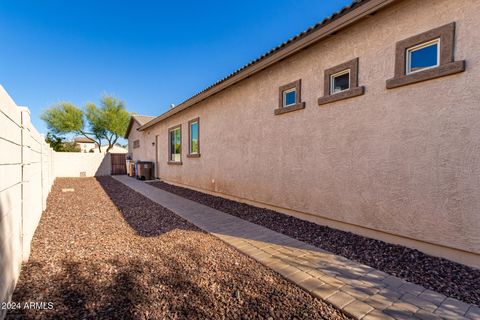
<point x="148" y="53"/>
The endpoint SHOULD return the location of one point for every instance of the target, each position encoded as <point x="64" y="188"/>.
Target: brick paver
<point x="359" y="290"/>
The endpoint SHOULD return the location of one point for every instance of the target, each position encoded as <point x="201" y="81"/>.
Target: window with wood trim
<point x="136" y="144"/>
<point x="290" y="98"/>
<point x="423" y="56"/>
<point x="426" y="56"/>
<point x="175" y="145"/>
<point x="341" y="82"/>
<point x="194" y="138"/>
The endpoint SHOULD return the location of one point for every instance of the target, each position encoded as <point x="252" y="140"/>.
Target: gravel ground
<point x="106" y="252"/>
<point x="452" y="279"/>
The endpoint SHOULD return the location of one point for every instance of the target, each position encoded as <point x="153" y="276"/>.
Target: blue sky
<point x="148" y="53"/>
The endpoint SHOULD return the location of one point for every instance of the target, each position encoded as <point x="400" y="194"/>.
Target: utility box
<point x="144" y="170"/>
<point x="132" y="169"/>
<point x="129" y="167"/>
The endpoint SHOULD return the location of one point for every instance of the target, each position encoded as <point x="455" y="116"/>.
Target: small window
<point x="136" y="144"/>
<point x="340" y="81"/>
<point x="423" y="56"/>
<point x="194" y="138"/>
<point x="289" y="97"/>
<point x="175" y="144"/>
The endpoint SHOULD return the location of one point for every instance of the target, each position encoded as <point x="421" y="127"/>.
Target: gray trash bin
<point x="144" y="170"/>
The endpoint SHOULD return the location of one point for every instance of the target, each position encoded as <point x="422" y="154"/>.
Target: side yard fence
<point x="28" y="168"/>
<point x="26" y="177"/>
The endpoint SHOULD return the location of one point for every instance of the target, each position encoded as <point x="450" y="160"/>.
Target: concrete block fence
<point x="28" y="168"/>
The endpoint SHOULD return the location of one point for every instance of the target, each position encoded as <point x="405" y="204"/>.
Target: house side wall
<point x="85" y="147"/>
<point x="138" y="153"/>
<point x="401" y="163"/>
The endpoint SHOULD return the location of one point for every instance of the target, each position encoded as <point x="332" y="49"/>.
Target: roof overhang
<point x="330" y="27"/>
<point x="130" y="125"/>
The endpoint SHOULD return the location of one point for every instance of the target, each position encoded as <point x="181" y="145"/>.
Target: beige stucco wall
<point x="85" y="147"/>
<point x="403" y="162"/>
<point x="137" y="153"/>
<point x="79" y="164"/>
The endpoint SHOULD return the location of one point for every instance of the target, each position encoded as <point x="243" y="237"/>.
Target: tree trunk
<point x="99" y="142"/>
<point x="110" y="143"/>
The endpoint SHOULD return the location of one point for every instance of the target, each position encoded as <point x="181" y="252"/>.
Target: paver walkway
<point x="357" y="289"/>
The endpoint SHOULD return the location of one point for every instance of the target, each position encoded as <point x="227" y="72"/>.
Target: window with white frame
<point x="175" y="144"/>
<point x="340" y="81"/>
<point x="194" y="137"/>
<point x="423" y="56"/>
<point x="289" y="97"/>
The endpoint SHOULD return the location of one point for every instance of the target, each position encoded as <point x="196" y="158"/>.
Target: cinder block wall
<point x="28" y="168"/>
<point x="77" y="164"/>
<point x="26" y="173"/>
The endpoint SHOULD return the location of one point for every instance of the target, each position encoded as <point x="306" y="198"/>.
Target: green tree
<point x="60" y="145"/>
<point x="107" y="122"/>
<point x="54" y="141"/>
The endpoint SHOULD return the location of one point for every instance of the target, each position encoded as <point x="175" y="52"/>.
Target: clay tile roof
<point x="251" y="67"/>
<point x="141" y="120"/>
<point x="83" y="140"/>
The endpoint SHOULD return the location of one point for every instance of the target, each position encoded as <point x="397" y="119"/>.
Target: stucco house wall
<point x="136" y="153"/>
<point x="401" y="165"/>
<point x="86" y="147"/>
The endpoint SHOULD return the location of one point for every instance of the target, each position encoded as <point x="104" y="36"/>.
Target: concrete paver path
<point x="357" y="289"/>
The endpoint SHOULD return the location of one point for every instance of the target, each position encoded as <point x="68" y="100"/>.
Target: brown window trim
<point x="353" y="91"/>
<point x="193" y="155"/>
<point x="136" y="144"/>
<point x="298" y="98"/>
<point x="170" y="147"/>
<point x="447" y="65"/>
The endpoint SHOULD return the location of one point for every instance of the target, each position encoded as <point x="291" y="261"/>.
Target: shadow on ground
<point x="106" y="252"/>
<point x="147" y="218"/>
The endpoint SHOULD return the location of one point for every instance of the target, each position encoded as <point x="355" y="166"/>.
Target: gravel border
<point x="447" y="277"/>
<point x="105" y="251"/>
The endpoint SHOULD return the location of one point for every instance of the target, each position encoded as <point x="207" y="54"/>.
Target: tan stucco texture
<point x="403" y="161"/>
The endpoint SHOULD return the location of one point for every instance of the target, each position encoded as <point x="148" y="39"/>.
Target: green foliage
<point x="95" y="120"/>
<point x="114" y="115"/>
<point x="60" y="145"/>
<point x="54" y="141"/>
<point x="63" y="118"/>
<point x="70" y="146"/>
<point x="107" y="122"/>
<point x="194" y="146"/>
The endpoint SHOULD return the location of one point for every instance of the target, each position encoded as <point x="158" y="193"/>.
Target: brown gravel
<point x="452" y="279"/>
<point x="126" y="257"/>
